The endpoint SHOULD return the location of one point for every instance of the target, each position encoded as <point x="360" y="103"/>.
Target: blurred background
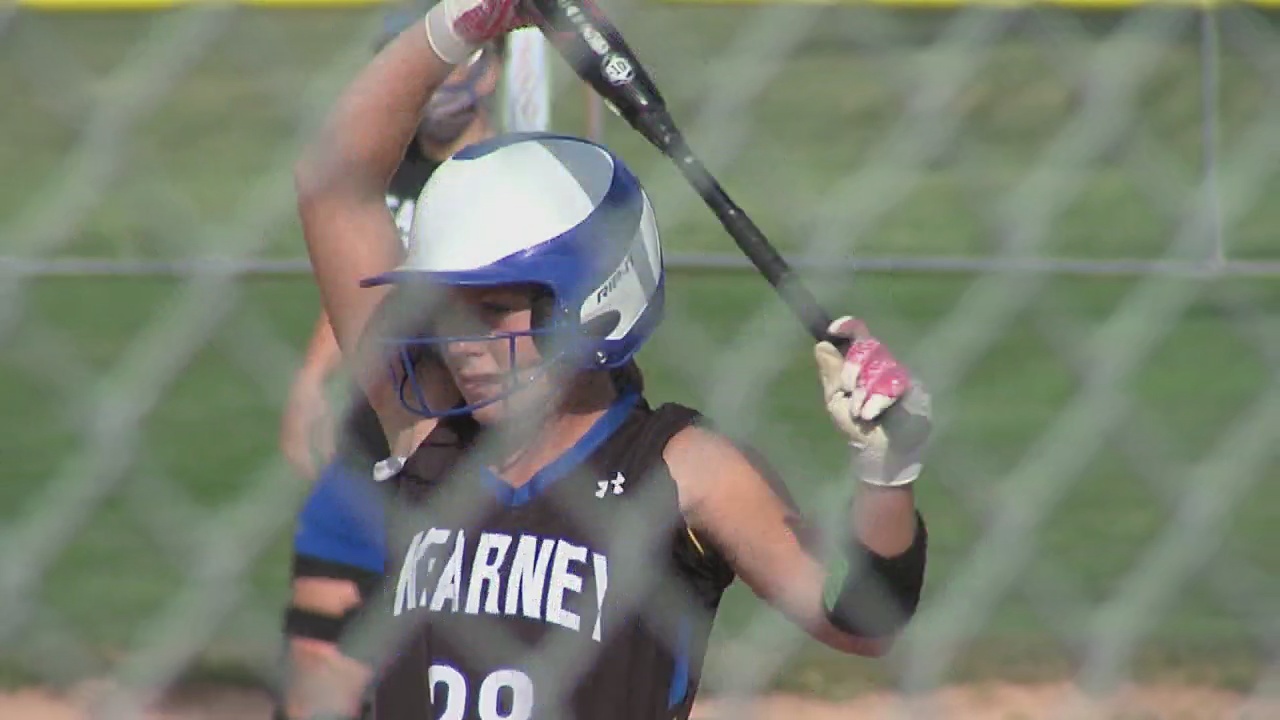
<point x="1062" y="215"/>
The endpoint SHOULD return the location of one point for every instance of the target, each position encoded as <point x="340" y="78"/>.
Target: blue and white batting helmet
<point x="559" y="213"/>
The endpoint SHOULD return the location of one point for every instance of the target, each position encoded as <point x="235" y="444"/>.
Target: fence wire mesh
<point x="1102" y="491"/>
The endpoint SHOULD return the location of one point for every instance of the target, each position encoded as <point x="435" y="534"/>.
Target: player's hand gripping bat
<point x="597" y="52"/>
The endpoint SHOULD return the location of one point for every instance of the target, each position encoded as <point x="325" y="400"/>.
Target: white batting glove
<point x="457" y="28"/>
<point x="874" y="400"/>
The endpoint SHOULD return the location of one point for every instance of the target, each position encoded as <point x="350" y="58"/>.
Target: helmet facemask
<point x="564" y="346"/>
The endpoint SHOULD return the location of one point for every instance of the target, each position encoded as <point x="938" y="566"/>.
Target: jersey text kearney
<point x="529" y="576"/>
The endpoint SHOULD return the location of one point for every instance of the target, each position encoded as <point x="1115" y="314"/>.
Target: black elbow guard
<point x="881" y="594"/>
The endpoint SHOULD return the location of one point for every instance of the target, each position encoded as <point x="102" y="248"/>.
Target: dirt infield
<point x="986" y="702"/>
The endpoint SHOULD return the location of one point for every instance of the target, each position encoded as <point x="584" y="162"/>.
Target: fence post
<point x="1209" y="71"/>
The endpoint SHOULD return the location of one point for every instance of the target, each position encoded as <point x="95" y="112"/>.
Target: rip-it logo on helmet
<point x="559" y="213"/>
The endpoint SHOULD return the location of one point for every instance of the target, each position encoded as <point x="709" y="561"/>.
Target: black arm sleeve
<point x="881" y="594"/>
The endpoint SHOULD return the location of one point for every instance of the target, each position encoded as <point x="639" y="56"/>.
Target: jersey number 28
<point x="514" y="684"/>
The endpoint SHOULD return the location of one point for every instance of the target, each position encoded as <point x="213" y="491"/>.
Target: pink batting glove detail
<point x="489" y="20"/>
<point x="875" y="376"/>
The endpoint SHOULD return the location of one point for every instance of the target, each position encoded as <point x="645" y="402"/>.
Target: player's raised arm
<point x="343" y="174"/>
<point x="749" y="516"/>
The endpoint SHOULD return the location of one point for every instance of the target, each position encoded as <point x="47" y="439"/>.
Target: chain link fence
<point x="1103" y="348"/>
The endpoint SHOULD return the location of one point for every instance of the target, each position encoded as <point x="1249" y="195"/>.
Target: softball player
<point x="566" y="543"/>
<point x="339" y="540"/>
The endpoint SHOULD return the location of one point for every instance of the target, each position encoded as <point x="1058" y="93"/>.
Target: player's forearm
<point x="887" y="550"/>
<point x="323" y="355"/>
<point x="332" y="690"/>
<point x="363" y="140"/>
<point x="883" y="519"/>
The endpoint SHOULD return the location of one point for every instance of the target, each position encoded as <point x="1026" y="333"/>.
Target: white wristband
<point x="873" y="468"/>
<point x="444" y="40"/>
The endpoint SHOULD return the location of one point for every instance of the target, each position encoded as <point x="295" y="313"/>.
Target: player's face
<point x="493" y="362"/>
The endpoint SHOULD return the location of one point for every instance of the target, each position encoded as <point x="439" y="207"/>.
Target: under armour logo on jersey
<point x="616" y="482"/>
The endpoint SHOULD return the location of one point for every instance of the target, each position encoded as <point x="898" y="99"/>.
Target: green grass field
<point x="211" y="438"/>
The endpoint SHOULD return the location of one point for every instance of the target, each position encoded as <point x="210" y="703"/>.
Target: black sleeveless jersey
<point x="581" y="594"/>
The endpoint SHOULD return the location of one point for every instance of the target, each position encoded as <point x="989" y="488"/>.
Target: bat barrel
<point x="756" y="246"/>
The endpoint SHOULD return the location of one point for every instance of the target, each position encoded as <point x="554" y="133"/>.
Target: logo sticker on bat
<point x="617" y="70"/>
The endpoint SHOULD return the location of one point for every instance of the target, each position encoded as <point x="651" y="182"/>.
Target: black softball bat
<point x="595" y="49"/>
